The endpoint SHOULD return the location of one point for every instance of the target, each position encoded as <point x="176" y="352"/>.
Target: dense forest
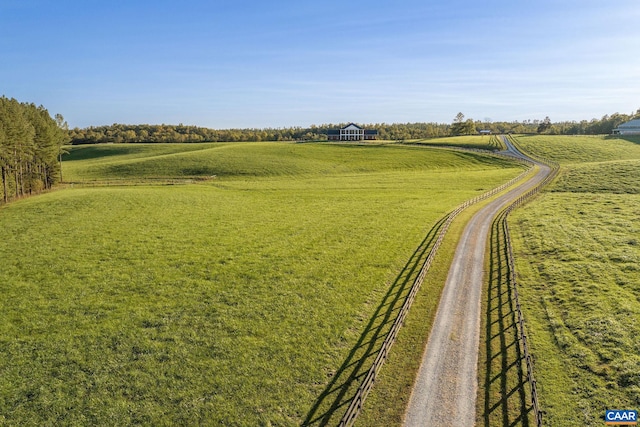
<point x="120" y="133"/>
<point x="30" y="146"/>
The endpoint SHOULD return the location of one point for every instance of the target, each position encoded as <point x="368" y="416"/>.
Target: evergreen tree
<point x="30" y="144"/>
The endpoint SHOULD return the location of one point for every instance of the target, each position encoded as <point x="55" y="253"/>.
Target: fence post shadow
<point x="506" y="399"/>
<point x="336" y="394"/>
<point x="380" y="338"/>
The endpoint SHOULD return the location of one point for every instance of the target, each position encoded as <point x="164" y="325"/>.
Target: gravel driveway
<point x="445" y="390"/>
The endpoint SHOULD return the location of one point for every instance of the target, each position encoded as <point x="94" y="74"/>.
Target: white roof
<point x="632" y="124"/>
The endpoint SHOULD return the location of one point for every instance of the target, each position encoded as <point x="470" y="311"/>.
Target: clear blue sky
<point x="280" y="63"/>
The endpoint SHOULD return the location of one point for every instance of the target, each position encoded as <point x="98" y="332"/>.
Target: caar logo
<point x="621" y="417"/>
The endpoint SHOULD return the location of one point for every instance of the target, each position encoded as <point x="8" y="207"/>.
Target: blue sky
<point x="247" y="63"/>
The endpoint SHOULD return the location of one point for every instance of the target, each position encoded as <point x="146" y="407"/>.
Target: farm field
<point x="230" y="160"/>
<point x="233" y="300"/>
<point x="577" y="256"/>
<point x="481" y="142"/>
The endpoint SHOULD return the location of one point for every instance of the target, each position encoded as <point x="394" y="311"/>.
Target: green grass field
<point x="577" y="256"/>
<point x="232" y="301"/>
<point x="482" y="142"/>
<point x="255" y="160"/>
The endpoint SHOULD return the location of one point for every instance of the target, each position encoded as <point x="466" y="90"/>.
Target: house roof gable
<point x="351" y="126"/>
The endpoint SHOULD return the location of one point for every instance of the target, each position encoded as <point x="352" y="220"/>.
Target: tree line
<point x="123" y="133"/>
<point x="30" y="145"/>
<point x="602" y="126"/>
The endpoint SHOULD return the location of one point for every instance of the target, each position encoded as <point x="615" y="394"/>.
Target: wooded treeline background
<point x="121" y="133"/>
<point x="183" y="133"/>
<point x="30" y="145"/>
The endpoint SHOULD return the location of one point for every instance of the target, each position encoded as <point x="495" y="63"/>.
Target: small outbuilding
<point x="629" y="128"/>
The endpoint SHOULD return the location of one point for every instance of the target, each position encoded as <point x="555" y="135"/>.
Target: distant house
<point x="629" y="128"/>
<point x="485" y="132"/>
<point x="352" y="132"/>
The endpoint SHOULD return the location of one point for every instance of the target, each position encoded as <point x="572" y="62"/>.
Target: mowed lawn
<point x="578" y="259"/>
<point x="231" y="301"/>
<point x="479" y="142"/>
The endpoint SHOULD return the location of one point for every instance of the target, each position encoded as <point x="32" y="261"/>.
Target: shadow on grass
<point x="630" y="138"/>
<point x="505" y="393"/>
<point x="337" y="396"/>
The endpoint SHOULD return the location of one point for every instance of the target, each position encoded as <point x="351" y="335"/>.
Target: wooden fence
<point x="555" y="168"/>
<point x="363" y="391"/>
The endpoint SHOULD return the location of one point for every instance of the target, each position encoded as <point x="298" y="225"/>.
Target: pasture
<point x="233" y="297"/>
<point x="577" y="256"/>
<point x="479" y="142"/>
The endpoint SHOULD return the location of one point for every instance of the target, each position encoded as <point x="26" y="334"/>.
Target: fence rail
<point x="357" y="402"/>
<point x="555" y="168"/>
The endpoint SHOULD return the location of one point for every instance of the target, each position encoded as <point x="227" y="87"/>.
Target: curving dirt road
<point x="445" y="390"/>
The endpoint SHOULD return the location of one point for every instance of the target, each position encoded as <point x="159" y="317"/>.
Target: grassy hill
<point x="231" y="160"/>
<point x="578" y="255"/>
<point x="481" y="142"/>
<point x="232" y="301"/>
